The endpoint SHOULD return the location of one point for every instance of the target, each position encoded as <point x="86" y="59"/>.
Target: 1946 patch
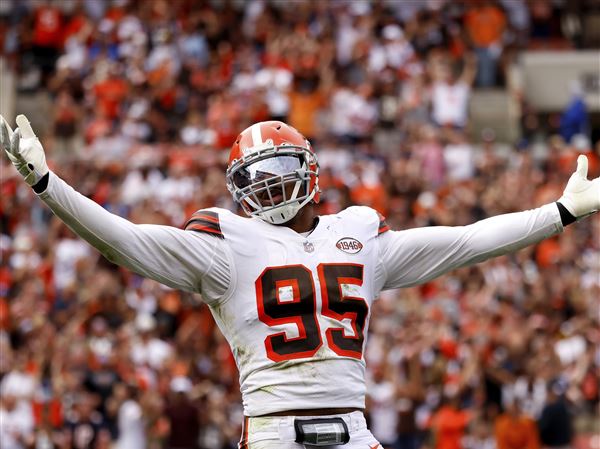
<point x="349" y="245"/>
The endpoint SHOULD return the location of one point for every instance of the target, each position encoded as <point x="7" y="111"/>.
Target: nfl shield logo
<point x="309" y="247"/>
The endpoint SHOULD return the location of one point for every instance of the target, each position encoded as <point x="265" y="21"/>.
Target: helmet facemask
<point x="274" y="183"/>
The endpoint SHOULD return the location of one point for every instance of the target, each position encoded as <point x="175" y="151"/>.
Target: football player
<point x="290" y="290"/>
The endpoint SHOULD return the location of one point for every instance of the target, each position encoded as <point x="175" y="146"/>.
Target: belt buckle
<point x="321" y="431"/>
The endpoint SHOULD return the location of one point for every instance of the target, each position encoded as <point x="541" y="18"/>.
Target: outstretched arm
<point x="177" y="258"/>
<point x="416" y="256"/>
<point x="419" y="255"/>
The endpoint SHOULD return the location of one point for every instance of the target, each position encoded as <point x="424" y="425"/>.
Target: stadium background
<point x="432" y="112"/>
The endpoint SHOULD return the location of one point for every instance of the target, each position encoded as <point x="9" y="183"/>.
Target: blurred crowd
<point x="147" y="97"/>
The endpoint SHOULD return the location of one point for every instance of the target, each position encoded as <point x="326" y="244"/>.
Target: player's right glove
<point x="581" y="196"/>
<point x="24" y="150"/>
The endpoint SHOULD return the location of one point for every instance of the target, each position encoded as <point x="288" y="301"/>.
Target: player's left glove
<point x="581" y="196"/>
<point x="24" y="150"/>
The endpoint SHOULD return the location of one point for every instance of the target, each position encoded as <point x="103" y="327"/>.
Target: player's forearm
<point x="503" y="234"/>
<point x="120" y="241"/>
<point x="419" y="255"/>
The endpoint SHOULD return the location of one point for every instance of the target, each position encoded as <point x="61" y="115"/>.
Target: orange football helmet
<point x="272" y="171"/>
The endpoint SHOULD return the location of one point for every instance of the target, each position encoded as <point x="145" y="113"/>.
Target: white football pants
<point x="278" y="432"/>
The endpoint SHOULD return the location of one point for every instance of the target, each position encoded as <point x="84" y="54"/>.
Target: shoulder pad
<point x="369" y="217"/>
<point x="206" y="221"/>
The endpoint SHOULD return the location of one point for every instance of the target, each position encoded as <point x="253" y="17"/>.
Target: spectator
<point x="307" y="96"/>
<point x="47" y="34"/>
<point x="410" y="397"/>
<point x="450" y="93"/>
<point x="449" y="423"/>
<point x="16" y="423"/>
<point x="394" y="52"/>
<point x="382" y="405"/>
<point x="485" y="24"/>
<point x="148" y="349"/>
<point x="84" y="426"/>
<point x="66" y="122"/>
<point x="574" y="120"/>
<point x="556" y="422"/>
<point x="514" y="430"/>
<point x="19" y="383"/>
<point x="131" y="425"/>
<point x="480" y="437"/>
<point x="182" y="415"/>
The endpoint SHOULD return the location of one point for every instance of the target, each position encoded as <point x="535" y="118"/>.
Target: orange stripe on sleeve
<point x="201" y="228"/>
<point x="204" y="217"/>
<point x="383" y="226"/>
<point x="383" y="229"/>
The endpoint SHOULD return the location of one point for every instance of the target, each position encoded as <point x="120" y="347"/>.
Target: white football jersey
<point x="295" y="308"/>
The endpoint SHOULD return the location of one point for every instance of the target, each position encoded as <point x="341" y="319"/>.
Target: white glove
<point x="24" y="150"/>
<point x="581" y="196"/>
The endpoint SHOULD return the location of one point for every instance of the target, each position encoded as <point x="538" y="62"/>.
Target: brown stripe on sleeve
<point x="205" y="221"/>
